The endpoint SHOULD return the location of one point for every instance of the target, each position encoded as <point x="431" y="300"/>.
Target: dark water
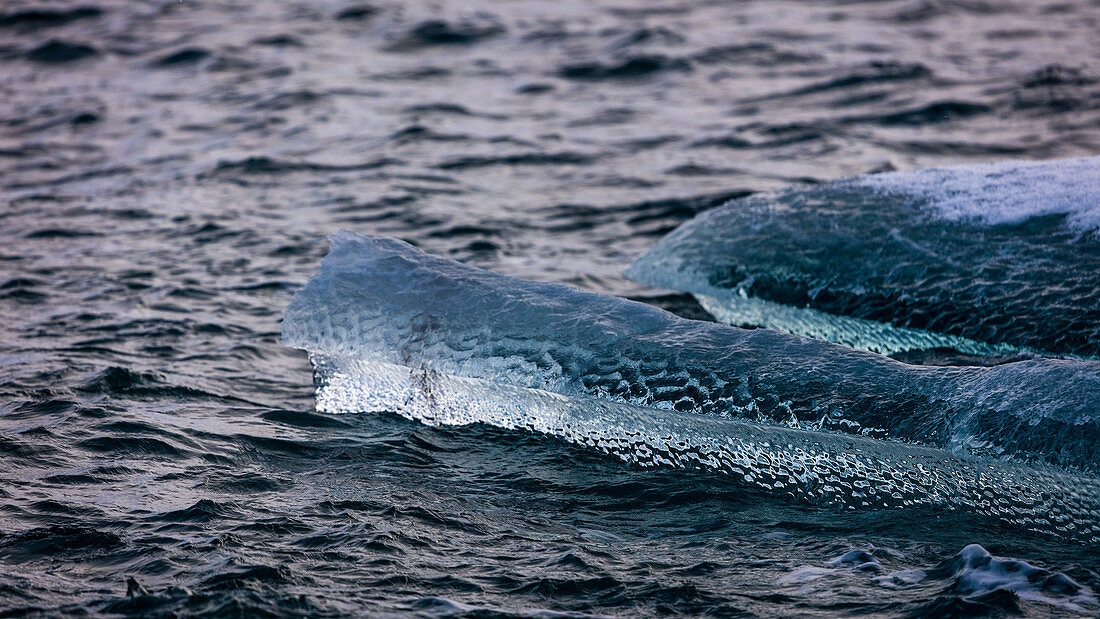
<point x="169" y="171"/>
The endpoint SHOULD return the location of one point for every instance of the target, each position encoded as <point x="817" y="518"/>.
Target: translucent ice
<point x="1005" y="192"/>
<point x="390" y="328"/>
<point x="982" y="259"/>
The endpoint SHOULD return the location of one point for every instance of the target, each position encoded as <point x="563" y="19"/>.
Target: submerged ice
<point x="390" y="328"/>
<point x="983" y="259"/>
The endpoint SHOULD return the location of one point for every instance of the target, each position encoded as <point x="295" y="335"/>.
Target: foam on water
<point x="392" y="329"/>
<point x="988" y="259"/>
<point x="979" y="579"/>
<point x="974" y="572"/>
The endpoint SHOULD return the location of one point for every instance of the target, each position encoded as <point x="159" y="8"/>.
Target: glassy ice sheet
<point x="390" y="328"/>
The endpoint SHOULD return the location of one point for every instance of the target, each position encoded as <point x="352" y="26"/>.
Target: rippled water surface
<point x="169" y="170"/>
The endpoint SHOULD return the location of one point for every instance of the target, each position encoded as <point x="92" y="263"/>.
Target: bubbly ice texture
<point x="982" y="259"/>
<point x="390" y="328"/>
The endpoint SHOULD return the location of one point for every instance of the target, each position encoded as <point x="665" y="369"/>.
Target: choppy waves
<point x="169" y="169"/>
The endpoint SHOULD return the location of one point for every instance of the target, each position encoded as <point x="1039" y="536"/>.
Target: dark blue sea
<point x="169" y="171"/>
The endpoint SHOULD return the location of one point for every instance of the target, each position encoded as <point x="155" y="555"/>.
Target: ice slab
<point x="390" y="328"/>
<point x="984" y="259"/>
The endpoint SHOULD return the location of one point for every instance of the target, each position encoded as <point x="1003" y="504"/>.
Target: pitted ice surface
<point x="985" y="259"/>
<point x="393" y="329"/>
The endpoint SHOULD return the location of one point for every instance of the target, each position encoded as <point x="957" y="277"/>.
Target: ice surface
<point x="379" y="299"/>
<point x="738" y="309"/>
<point x="390" y="328"/>
<point x="981" y="259"/>
<point x="1003" y="192"/>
